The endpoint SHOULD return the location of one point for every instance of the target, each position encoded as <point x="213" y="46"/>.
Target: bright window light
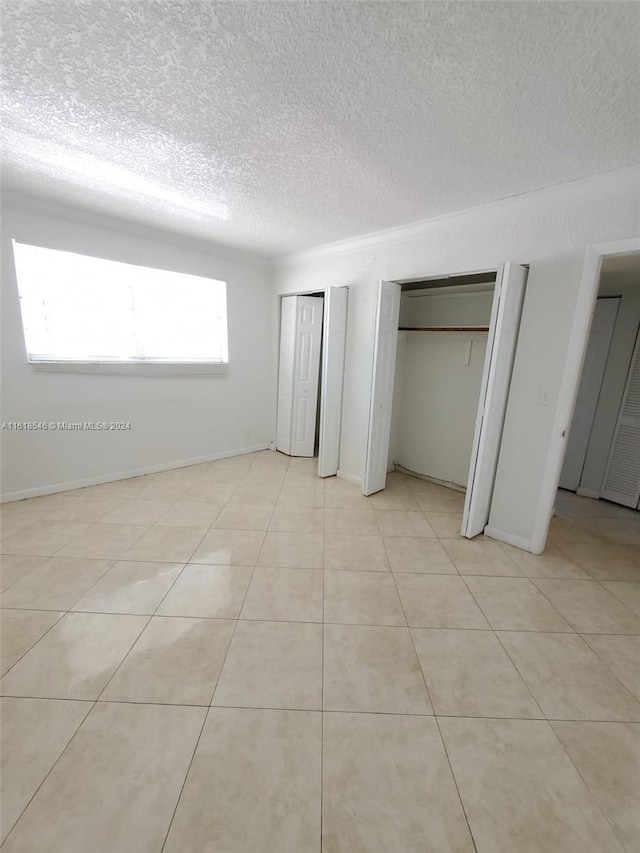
<point x="78" y="308"/>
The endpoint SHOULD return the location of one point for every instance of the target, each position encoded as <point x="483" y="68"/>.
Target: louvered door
<point x="621" y="482"/>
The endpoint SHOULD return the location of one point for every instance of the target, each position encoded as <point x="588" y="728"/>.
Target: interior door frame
<point x="570" y="381"/>
<point x="278" y="309"/>
<point x="416" y="279"/>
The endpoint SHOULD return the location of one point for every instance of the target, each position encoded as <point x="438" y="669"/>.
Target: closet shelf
<point x="443" y="329"/>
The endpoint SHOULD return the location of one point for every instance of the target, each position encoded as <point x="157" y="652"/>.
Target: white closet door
<point x="300" y="341"/>
<point x="384" y="365"/>
<point x="622" y="478"/>
<point x="604" y="319"/>
<point x="501" y="346"/>
<point x="333" y="347"/>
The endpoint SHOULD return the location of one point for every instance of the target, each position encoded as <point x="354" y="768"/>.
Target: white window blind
<point x="77" y="308"/>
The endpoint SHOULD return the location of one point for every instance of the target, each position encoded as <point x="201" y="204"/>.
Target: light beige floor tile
<point x="438" y="601"/>
<point x="121" y="489"/>
<point x="265" y="764"/>
<point x="56" y="585"/>
<point x="361" y="598"/>
<point x="244" y="517"/>
<point x="621" y="654"/>
<point x="190" y="514"/>
<point x="174" y="661"/>
<point x="208" y="591"/>
<point x="480" y="558"/>
<point x="269" y="476"/>
<point x="255" y="495"/>
<point x="20" y="630"/>
<point x="418" y="555"/>
<point x="567" y="679"/>
<point x="130" y="587"/>
<point x="394" y="523"/>
<point x="229" y="475"/>
<point x="552" y="564"/>
<point x="297" y="519"/>
<point x="339" y="493"/>
<point x="165" y="490"/>
<point x="33" y="734"/>
<point x="15" y="567"/>
<point x="398" y="499"/>
<point x="590" y="608"/>
<point x="209" y="491"/>
<point x="358" y="553"/>
<point x="607" y="756"/>
<point x="388" y="787"/>
<point x="606" y="562"/>
<point x="444" y="500"/>
<point x="564" y="531"/>
<point x="520" y="790"/>
<point x="104" y="541"/>
<point x="372" y="669"/>
<point x="273" y="665"/>
<point x="469" y="674"/>
<point x="302" y="496"/>
<point x="515" y="604"/>
<point x="292" y="550"/>
<point x="122" y="773"/>
<point x="136" y="511"/>
<point x="285" y="595"/>
<point x="76" y="658"/>
<point x="167" y="544"/>
<point x="43" y="538"/>
<point x="626" y="591"/>
<point x="261" y="769"/>
<point x="618" y="531"/>
<point x="356" y="521"/>
<point x="446" y="525"/>
<point x="82" y="508"/>
<point x="229" y="547"/>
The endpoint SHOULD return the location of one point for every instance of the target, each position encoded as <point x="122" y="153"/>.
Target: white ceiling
<point x="279" y="126"/>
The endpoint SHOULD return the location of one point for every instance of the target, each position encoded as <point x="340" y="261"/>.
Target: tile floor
<point x="239" y="657"/>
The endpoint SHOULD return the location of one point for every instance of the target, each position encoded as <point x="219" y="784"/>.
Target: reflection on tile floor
<point x="241" y="657"/>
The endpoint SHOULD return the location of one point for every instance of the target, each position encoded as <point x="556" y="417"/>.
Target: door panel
<point x="308" y="339"/>
<point x="604" y="320"/>
<point x="333" y="352"/>
<point x="384" y="365"/>
<point x="285" y="376"/>
<point x="501" y="347"/>
<point x="622" y="478"/>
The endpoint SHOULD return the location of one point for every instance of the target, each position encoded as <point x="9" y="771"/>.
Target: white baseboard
<point x="588" y="493"/>
<point x="69" y="485"/>
<point x="508" y="538"/>
<point x="350" y="478"/>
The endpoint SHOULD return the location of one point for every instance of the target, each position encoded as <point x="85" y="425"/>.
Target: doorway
<point x="601" y="468"/>
<point x="469" y="341"/>
<point x="313" y="330"/>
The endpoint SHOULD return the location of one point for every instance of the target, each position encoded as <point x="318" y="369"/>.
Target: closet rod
<point x="443" y="328"/>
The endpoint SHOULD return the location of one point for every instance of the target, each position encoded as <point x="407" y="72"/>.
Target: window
<point x="77" y="308"/>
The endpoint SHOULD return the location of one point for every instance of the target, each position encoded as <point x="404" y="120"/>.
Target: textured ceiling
<point x="278" y="126"/>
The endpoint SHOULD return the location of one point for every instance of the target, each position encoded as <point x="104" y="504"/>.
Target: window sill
<point x="147" y="368"/>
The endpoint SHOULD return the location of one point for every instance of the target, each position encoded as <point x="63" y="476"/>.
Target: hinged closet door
<point x="621" y="482"/>
<point x="333" y="348"/>
<point x="496" y="379"/>
<point x="384" y="366"/>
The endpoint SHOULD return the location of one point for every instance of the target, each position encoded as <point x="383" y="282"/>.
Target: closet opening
<point x="600" y="476"/>
<point x="443" y="356"/>
<point x="313" y="330"/>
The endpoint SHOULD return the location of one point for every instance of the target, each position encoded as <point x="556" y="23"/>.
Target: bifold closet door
<point x="621" y="482"/>
<point x="300" y="342"/>
<point x="333" y="348"/>
<point x="384" y="367"/>
<point x="494" y="391"/>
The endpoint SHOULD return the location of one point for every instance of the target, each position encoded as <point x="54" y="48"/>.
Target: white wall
<point x="615" y="376"/>
<point x="440" y="308"/>
<point x="437" y="410"/>
<point x="173" y="419"/>
<point x="548" y="230"/>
